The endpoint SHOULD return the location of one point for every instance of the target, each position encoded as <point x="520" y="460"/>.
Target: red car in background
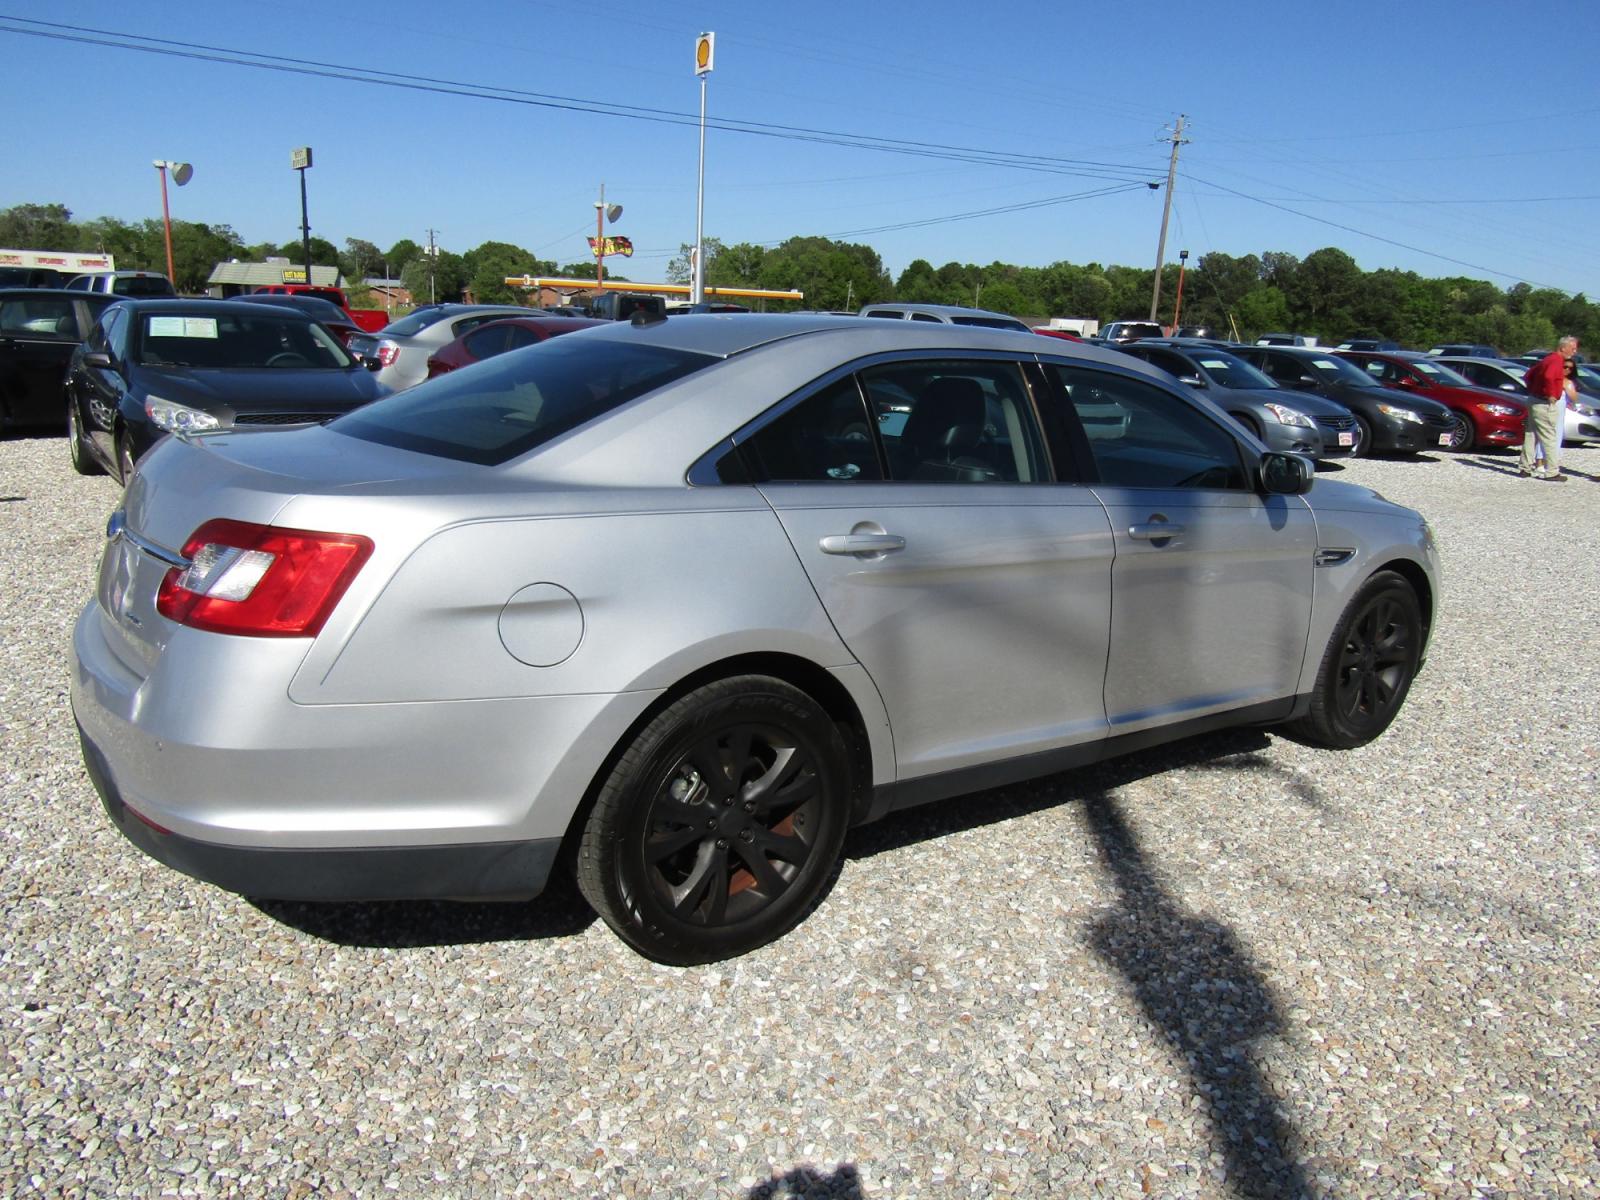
<point x="1057" y="333"/>
<point x="496" y="337"/>
<point x="1483" y="418"/>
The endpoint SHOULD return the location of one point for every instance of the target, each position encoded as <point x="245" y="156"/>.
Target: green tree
<point x="39" y="227"/>
<point x="400" y="254"/>
<point x="489" y="265"/>
<point x="441" y="278"/>
<point x="323" y="252"/>
<point x="681" y="270"/>
<point x="360" y="260"/>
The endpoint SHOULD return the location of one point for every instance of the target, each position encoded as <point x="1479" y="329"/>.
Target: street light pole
<point x="181" y="174"/>
<point x="704" y="54"/>
<point x="1177" y="304"/>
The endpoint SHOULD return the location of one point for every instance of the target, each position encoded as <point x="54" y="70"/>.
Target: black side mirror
<point x="1286" y="474"/>
<point x="371" y="362"/>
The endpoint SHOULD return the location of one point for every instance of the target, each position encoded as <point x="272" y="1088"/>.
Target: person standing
<point x="1547" y="401"/>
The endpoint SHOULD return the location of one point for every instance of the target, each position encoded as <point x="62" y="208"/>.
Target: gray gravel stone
<point x="1234" y="967"/>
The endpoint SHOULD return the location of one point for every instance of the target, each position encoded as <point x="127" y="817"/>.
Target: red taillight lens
<point x="387" y="353"/>
<point x="259" y="580"/>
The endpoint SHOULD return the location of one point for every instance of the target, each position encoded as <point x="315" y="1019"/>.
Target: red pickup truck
<point x="370" y="320"/>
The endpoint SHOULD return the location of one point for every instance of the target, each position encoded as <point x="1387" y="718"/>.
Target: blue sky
<point x="1429" y="131"/>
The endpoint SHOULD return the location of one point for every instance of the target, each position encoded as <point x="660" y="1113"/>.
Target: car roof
<point x="726" y="334"/>
<point x="219" y="308"/>
<point x="948" y="310"/>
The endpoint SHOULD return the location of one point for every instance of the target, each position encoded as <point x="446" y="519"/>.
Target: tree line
<point x="1326" y="293"/>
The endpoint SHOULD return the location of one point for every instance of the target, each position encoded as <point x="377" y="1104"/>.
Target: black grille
<point x="1337" y="424"/>
<point x="284" y="418"/>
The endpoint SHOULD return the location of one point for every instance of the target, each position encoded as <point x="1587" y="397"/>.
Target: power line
<point x="202" y="52"/>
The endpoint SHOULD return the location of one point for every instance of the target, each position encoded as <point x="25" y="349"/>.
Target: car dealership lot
<point x="1237" y="966"/>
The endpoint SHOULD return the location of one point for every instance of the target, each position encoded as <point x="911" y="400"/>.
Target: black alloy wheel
<point x="1368" y="666"/>
<point x="1462" y="434"/>
<point x="83" y="459"/>
<point x="719" y="828"/>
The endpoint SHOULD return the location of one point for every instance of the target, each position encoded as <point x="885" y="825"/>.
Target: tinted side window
<point x="39" y="319"/>
<point x="827" y="436"/>
<point x="1142" y="436"/>
<point x="956" y="421"/>
<point x="486" y="343"/>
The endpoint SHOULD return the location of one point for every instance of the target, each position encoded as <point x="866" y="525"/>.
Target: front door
<point x="1212" y="583"/>
<point x="973" y="588"/>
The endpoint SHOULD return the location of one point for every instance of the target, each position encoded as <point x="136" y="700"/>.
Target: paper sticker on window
<point x="1213" y="364"/>
<point x="183" y="327"/>
<point x="1323" y="364"/>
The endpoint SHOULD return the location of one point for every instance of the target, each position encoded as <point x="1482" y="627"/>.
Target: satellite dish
<point x="182" y="173"/>
<point x="613" y="212"/>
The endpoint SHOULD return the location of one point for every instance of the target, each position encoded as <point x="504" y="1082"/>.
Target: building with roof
<point x="236" y="278"/>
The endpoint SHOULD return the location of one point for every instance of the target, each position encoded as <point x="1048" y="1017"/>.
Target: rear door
<point x="971" y="584"/>
<point x="1212" y="581"/>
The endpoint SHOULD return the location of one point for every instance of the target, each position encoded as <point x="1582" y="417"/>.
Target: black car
<point x="1368" y="343"/>
<point x="325" y="312"/>
<point x="1385" y="419"/>
<point x="153" y="367"/>
<point x="39" y="328"/>
<point x="1291" y="422"/>
<point x="32" y="277"/>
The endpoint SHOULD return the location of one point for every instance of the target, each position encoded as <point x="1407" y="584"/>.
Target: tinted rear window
<point x="140" y="285"/>
<point x="492" y="412"/>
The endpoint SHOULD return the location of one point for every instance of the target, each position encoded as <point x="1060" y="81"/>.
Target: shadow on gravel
<point x="1197" y="986"/>
<point x="1494" y="466"/>
<point x="843" y="1183"/>
<point x="1233" y="749"/>
<point x="406" y="924"/>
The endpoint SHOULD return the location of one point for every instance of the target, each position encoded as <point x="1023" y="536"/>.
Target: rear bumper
<point x="485" y="870"/>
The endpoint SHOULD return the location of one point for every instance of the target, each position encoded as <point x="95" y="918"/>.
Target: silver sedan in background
<point x="680" y="602"/>
<point x="401" y="349"/>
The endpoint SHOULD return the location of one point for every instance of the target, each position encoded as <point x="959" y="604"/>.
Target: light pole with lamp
<point x="1177" y="303"/>
<point x="602" y="214"/>
<point x="182" y="172"/>
<point x="705" y="51"/>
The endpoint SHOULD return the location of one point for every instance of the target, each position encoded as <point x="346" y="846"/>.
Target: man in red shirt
<point x="1546" y="380"/>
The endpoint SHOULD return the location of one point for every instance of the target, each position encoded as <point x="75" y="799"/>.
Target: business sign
<point x="705" y="50"/>
<point x="300" y="158"/>
<point x="613" y="245"/>
<point x="295" y="275"/>
<point x="61" y="260"/>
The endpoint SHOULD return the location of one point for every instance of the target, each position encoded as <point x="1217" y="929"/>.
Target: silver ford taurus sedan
<point x="679" y="602"/>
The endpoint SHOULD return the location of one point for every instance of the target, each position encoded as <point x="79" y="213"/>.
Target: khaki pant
<point x="1544" y="429"/>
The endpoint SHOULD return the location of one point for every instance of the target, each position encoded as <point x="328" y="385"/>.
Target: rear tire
<point x="1368" y="666"/>
<point x="719" y="828"/>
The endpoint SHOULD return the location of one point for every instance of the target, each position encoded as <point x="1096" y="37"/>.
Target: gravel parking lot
<point x="1238" y="967"/>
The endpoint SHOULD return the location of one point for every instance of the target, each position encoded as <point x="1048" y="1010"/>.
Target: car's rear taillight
<point x="387" y="352"/>
<point x="260" y="580"/>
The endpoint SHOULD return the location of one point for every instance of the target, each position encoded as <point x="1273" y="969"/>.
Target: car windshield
<point x="141" y="285"/>
<point x="1225" y="370"/>
<point x="1438" y="373"/>
<point x="991" y="323"/>
<point x="416" y="322"/>
<point x="1339" y="370"/>
<point x="507" y="405"/>
<point x="234" y="340"/>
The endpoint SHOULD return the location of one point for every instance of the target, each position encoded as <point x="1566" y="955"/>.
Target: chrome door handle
<point x="1155" y="531"/>
<point x="862" y="543"/>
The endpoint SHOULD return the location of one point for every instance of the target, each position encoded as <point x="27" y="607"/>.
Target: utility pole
<point x="433" y="258"/>
<point x="1166" y="211"/>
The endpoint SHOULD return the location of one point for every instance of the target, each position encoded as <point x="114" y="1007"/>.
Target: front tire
<point x="124" y="459"/>
<point x="1363" y="446"/>
<point x="1462" y="434"/>
<point x="83" y="461"/>
<point x="719" y="827"/>
<point x="1368" y="666"/>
